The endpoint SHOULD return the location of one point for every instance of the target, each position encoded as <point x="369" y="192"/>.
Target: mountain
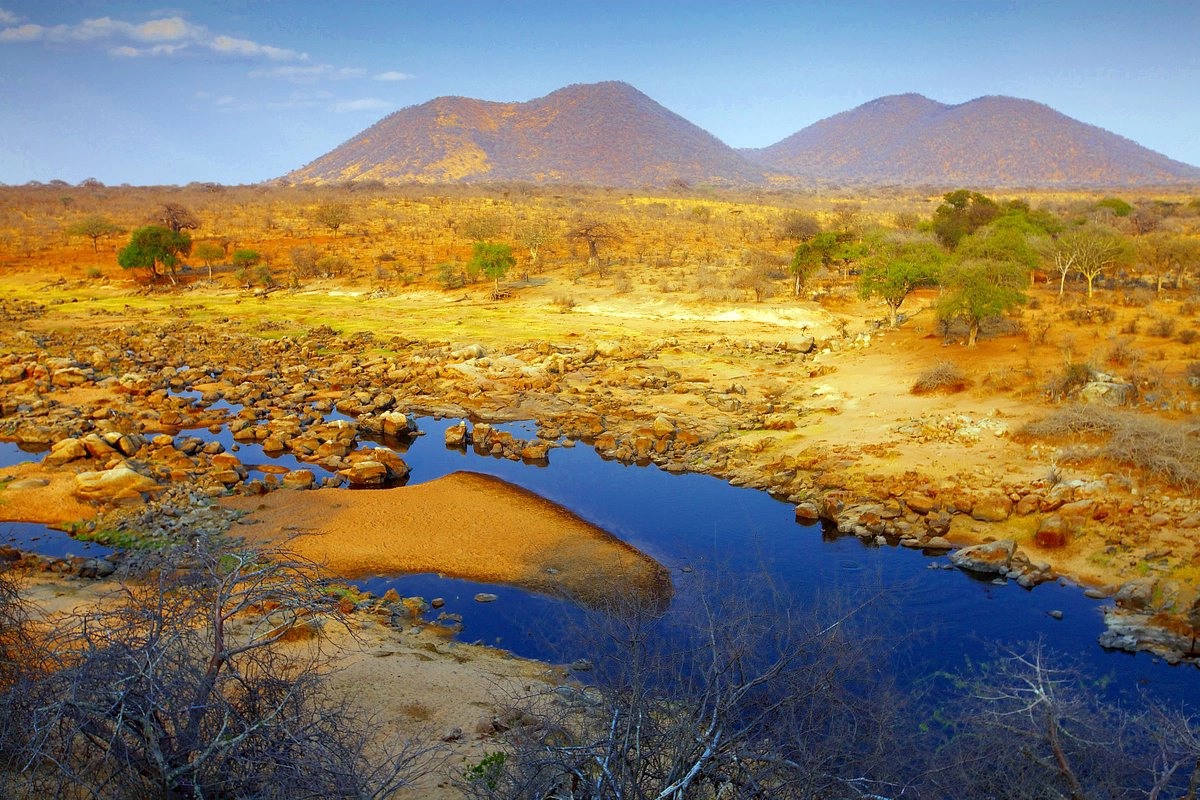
<point x="607" y="134"/>
<point x="990" y="141"/>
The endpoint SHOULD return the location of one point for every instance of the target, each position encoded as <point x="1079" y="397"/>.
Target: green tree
<point x="244" y="259"/>
<point x="208" y="252"/>
<point x="962" y="213"/>
<point x="1119" y="207"/>
<point x="810" y="256"/>
<point x="94" y="227"/>
<point x="153" y="246"/>
<point x="492" y="259"/>
<point x="892" y="275"/>
<point x="980" y="289"/>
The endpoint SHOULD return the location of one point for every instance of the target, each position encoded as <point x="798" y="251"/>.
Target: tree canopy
<point x="153" y="246"/>
<point x="897" y="270"/>
<point x="811" y="255"/>
<point x="94" y="227"/>
<point x="493" y="259"/>
<point x="980" y="289"/>
<point x="961" y="214"/>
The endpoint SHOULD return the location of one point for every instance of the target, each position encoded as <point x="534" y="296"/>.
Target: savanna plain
<point x="1006" y="381"/>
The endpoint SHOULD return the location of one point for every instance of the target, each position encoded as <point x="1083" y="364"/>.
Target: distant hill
<point x="607" y="134"/>
<point x="990" y="141"/>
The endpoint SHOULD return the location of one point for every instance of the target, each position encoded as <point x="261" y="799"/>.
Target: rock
<point x="119" y="483"/>
<point x="535" y="451"/>
<point x="1053" y="531"/>
<point x="992" y="557"/>
<point x="457" y="435"/>
<point x="663" y="427"/>
<point x="1133" y="631"/>
<point x="486" y="597"/>
<point x="992" y="506"/>
<point x="437" y="602"/>
<point x="807" y="512"/>
<point x="920" y="503"/>
<point x="27" y="483"/>
<point x="1027" y="505"/>
<point x="1107" y="393"/>
<point x="367" y="474"/>
<point x="65" y="451"/>
<point x="1055" y="614"/>
<point x="937" y="543"/>
<point x="1137" y="594"/>
<point x="298" y="479"/>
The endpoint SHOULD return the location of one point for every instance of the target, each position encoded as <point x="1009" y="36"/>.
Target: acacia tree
<point x="895" y="273"/>
<point x="152" y="246"/>
<point x="810" y="256"/>
<point x="1096" y="251"/>
<point x="94" y="227"/>
<point x="493" y="259"/>
<point x="208" y="252"/>
<point x="978" y="290"/>
<point x="1165" y="252"/>
<point x="332" y="216"/>
<point x="961" y="214"/>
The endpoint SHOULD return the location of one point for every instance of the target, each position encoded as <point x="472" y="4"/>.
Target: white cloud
<point x="8" y="17"/>
<point x="244" y="47"/>
<point x="392" y="75"/>
<point x="308" y="74"/>
<point x="25" y="33"/>
<point x="362" y="104"/>
<point x="167" y="35"/>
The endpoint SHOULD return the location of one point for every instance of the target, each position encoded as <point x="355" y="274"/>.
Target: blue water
<point x="13" y="453"/>
<point x="702" y="528"/>
<point x="36" y="538"/>
<point x="705" y="530"/>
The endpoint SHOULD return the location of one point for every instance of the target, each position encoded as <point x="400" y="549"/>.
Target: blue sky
<point x="238" y="91"/>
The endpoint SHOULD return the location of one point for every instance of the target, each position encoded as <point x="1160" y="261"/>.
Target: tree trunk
<point x="1090" y="278"/>
<point x="892" y="310"/>
<point x="796" y="288"/>
<point x="973" y="335"/>
<point x="1062" y="283"/>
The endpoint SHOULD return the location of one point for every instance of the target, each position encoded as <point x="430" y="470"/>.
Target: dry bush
<point x="945" y="377"/>
<point x="1166" y="450"/>
<point x="1123" y="352"/>
<point x="1188" y="336"/>
<point x="1074" y="420"/>
<point x="1162" y="327"/>
<point x="564" y="302"/>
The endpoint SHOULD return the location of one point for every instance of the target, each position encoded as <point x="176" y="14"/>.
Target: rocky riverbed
<point x="119" y="409"/>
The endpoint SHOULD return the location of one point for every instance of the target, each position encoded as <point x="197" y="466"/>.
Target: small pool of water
<point x="36" y="538"/>
<point x="13" y="453"/>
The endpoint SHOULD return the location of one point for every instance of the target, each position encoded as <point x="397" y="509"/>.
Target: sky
<point x="241" y="91"/>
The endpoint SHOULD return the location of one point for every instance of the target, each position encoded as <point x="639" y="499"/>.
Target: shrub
<point x="450" y="276"/>
<point x="94" y="273"/>
<point x="1123" y="352"/>
<point x="565" y="302"/>
<point x="1163" y="327"/>
<point x="1188" y="336"/>
<point x="945" y="376"/>
<point x="1072" y="377"/>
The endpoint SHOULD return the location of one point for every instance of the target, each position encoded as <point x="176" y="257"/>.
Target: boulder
<point x="992" y="506"/>
<point x="663" y="427"/>
<point x="65" y="451"/>
<point x="807" y="512"/>
<point x="367" y="474"/>
<point x="919" y="503"/>
<point x="457" y="435"/>
<point x="1107" y="393"/>
<point x="992" y="557"/>
<point x="1137" y="594"/>
<point x="535" y="451"/>
<point x="298" y="479"/>
<point x="1053" y="531"/>
<point x="121" y="482"/>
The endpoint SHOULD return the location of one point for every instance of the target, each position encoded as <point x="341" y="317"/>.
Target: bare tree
<point x="594" y="233"/>
<point x="533" y="236"/>
<point x="184" y="689"/>
<point x="332" y="216"/>
<point x="744" y="704"/>
<point x="175" y="217"/>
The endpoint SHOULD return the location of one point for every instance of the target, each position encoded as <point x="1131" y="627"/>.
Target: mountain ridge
<point x="611" y="134"/>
